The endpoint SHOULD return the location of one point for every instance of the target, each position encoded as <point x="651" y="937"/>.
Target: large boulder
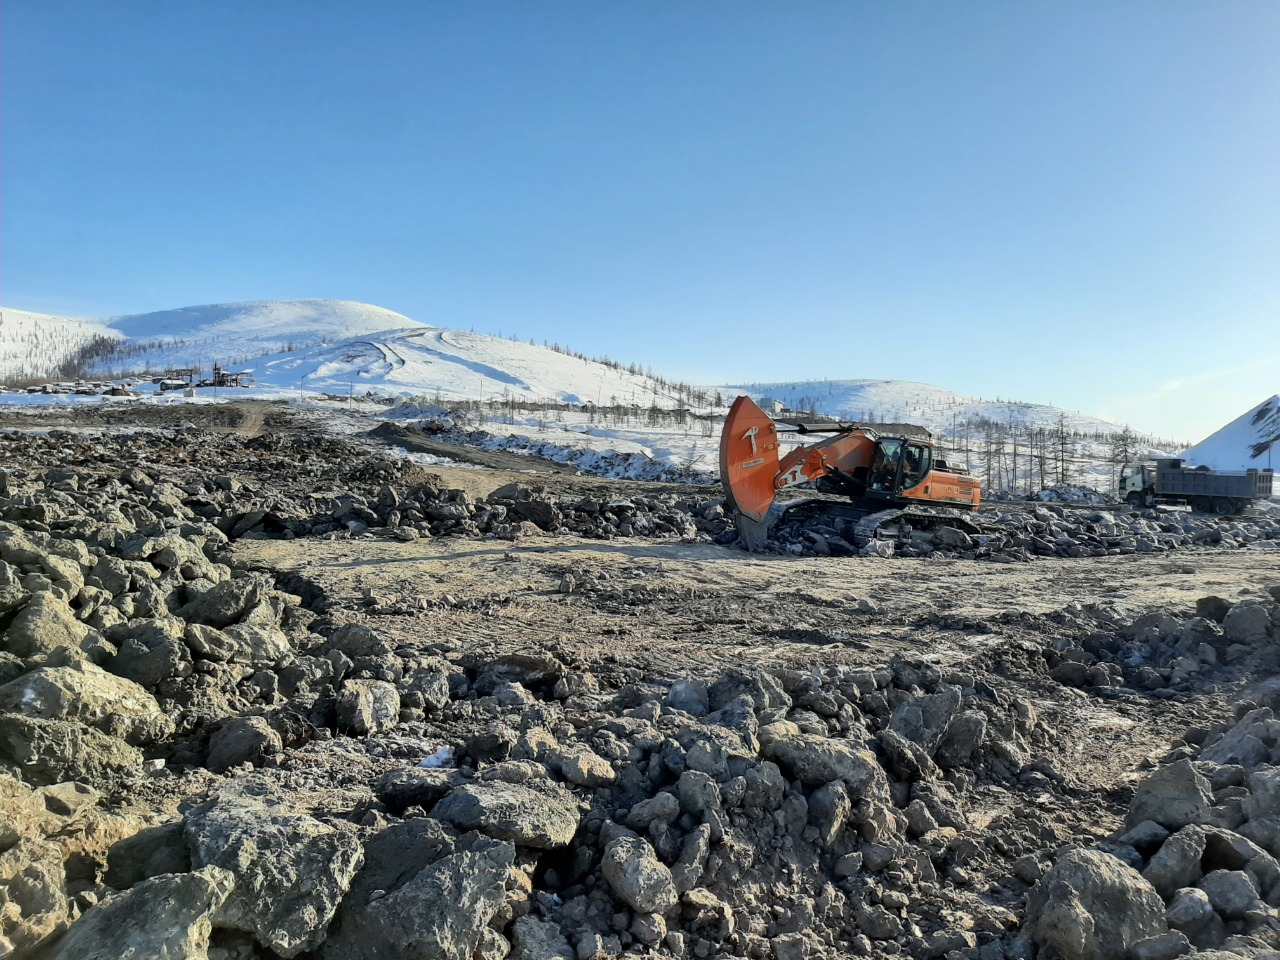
<point x="225" y="603"/>
<point x="33" y="898"/>
<point x="242" y="740"/>
<point x="1091" y="906"/>
<point x="815" y="760"/>
<point x="52" y="751"/>
<point x="47" y="626"/>
<point x="1177" y="863"/>
<point x="368" y="707"/>
<point x="534" y="939"/>
<point x="637" y="876"/>
<point x="538" y="815"/>
<point x="422" y="893"/>
<point x="154" y="653"/>
<point x="1173" y="796"/>
<point x="291" y="870"/>
<point x="1247" y="623"/>
<point x="165" y="918"/>
<point x="91" y="695"/>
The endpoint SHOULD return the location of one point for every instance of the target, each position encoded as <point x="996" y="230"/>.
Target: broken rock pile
<point x="1032" y="532"/>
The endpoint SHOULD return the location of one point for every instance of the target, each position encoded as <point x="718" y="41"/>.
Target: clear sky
<point x="1073" y="203"/>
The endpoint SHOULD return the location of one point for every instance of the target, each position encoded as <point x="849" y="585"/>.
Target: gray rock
<point x="963" y="738"/>
<point x="165" y="918"/>
<point x="1177" y="863"/>
<point x="1231" y="893"/>
<point x="432" y="684"/>
<point x="368" y="707"/>
<point x="533" y="939"/>
<point x="542" y="816"/>
<point x="690" y="696"/>
<point x="1173" y="796"/>
<point x="148" y="853"/>
<point x="815" y="760"/>
<point x="829" y="809"/>
<point x="687" y="871"/>
<point x="53" y="751"/>
<point x="45" y="626"/>
<point x="761" y="688"/>
<point x="581" y="765"/>
<point x="209" y="643"/>
<point x="1226" y="850"/>
<point x="1090" y="906"/>
<point x="663" y="806"/>
<point x="151" y="657"/>
<point x="877" y="922"/>
<point x="225" y="603"/>
<point x="259" y="644"/>
<point x="33" y="894"/>
<point x="1247" y="623"/>
<point x="415" y="787"/>
<point x="905" y="759"/>
<point x="1263" y="801"/>
<point x="637" y="876"/>
<point x="422" y="893"/>
<point x="924" y="720"/>
<point x="357" y="640"/>
<point x="1164" y="947"/>
<point x="540" y="512"/>
<point x="242" y="740"/>
<point x="1189" y="910"/>
<point x="291" y="870"/>
<point x="1146" y="837"/>
<point x="90" y="695"/>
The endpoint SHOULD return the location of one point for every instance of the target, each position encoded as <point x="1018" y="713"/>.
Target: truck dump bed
<point x="1173" y="479"/>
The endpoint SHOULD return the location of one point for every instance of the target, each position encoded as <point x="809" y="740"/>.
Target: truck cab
<point x="1137" y="484"/>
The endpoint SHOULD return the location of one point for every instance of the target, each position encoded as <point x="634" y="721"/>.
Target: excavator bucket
<point x="748" y="467"/>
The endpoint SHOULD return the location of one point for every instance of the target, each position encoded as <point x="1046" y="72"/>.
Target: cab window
<point x="916" y="461"/>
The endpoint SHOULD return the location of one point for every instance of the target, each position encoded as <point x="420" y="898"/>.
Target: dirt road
<point x="679" y="607"/>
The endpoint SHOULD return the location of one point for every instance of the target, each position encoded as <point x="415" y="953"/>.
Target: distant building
<point x="772" y="406"/>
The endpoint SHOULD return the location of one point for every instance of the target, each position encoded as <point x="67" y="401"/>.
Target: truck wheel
<point x="1135" y="499"/>
<point x="1224" y="508"/>
<point x="1202" y="505"/>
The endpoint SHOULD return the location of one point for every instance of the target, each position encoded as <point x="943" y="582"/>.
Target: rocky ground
<point x="265" y="692"/>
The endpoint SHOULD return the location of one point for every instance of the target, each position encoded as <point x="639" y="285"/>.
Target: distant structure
<point x="227" y="378"/>
<point x="773" y="406"/>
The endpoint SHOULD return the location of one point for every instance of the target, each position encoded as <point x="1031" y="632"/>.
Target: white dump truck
<point x="1204" y="490"/>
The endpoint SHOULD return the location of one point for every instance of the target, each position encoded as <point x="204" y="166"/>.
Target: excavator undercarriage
<point x="888" y="482"/>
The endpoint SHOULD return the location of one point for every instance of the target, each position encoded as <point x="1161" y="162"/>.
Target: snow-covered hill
<point x="36" y="345"/>
<point x="233" y="334"/>
<point x="455" y="365"/>
<point x="1249" y="442"/>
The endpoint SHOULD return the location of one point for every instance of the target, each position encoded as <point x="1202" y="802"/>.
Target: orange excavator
<point x="886" y="479"/>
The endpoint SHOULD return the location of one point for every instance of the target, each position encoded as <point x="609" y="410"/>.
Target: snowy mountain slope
<point x="1249" y="442"/>
<point x="903" y="401"/>
<point x="232" y="333"/>
<point x="34" y="345"/>
<point x="455" y="365"/>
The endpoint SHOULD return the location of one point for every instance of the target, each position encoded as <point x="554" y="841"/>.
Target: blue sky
<point x="1072" y="203"/>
